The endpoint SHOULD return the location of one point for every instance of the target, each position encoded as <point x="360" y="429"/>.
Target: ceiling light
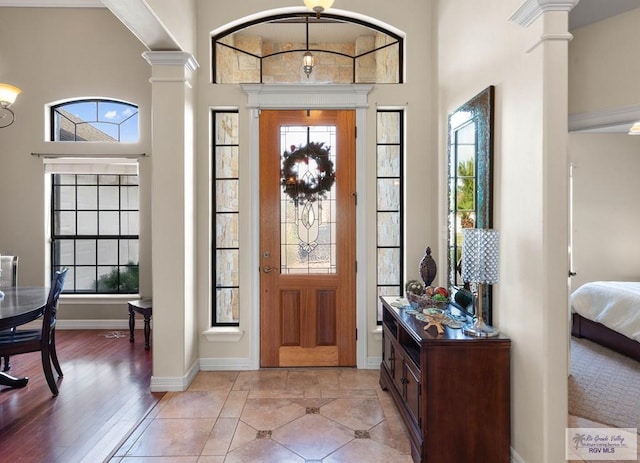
<point x="318" y="5"/>
<point x="307" y="59"/>
<point x="8" y="94"/>
<point x="635" y="129"/>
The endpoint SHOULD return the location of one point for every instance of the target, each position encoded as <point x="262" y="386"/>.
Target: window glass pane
<point x="388" y="229"/>
<point x="227" y="230"/>
<point x="388" y="266"/>
<point x="87" y="223"/>
<point x="107" y="252"/>
<point x="129" y="197"/>
<point x="66" y="197"/>
<point x="226" y="126"/>
<point x="387" y="127"/>
<point x="388" y="194"/>
<point x="108" y="279"/>
<point x="94" y="120"/>
<point x="87" y="179"/>
<point x="227" y="162"/>
<point x="129" y="252"/>
<point x="85" y="252"/>
<point x="70" y="281"/>
<point x="85" y="279"/>
<point x="129" y="223"/>
<point x="226" y="267"/>
<point x="109" y="223"/>
<point x="64" y="179"/>
<point x="65" y="223"/>
<point x="64" y="250"/>
<point x="226" y="195"/>
<point x="388" y="161"/>
<point x="227" y="308"/>
<point x="87" y="197"/>
<point x="109" y="197"/>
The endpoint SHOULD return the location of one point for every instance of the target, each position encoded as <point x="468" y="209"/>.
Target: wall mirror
<point x="470" y="185"/>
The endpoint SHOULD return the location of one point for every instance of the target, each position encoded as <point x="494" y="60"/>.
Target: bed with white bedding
<point x="608" y="312"/>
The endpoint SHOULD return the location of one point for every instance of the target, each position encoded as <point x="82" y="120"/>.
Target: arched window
<point x="303" y="47"/>
<point x="96" y="120"/>
<point x="94" y="200"/>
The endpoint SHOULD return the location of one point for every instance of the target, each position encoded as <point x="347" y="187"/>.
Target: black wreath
<point x="312" y="187"/>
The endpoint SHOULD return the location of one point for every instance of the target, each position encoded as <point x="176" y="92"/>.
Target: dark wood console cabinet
<point x="453" y="391"/>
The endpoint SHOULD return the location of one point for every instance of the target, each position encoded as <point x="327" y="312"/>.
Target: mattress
<point x="614" y="304"/>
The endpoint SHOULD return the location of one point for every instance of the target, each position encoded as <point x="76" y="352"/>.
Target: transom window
<point x="94" y="120"/>
<point x="339" y="50"/>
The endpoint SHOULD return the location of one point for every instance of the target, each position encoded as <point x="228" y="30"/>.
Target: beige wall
<point x="603" y="64"/>
<point x="607" y="165"/>
<point x="64" y="53"/>
<point x="533" y="229"/>
<point x="605" y="212"/>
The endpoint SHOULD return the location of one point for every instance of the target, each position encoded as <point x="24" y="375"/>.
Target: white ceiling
<point x="584" y="13"/>
<point x="590" y="11"/>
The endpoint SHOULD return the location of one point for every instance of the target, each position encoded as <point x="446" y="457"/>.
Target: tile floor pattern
<point x="273" y="416"/>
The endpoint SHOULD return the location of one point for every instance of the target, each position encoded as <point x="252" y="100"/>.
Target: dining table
<point x="18" y="306"/>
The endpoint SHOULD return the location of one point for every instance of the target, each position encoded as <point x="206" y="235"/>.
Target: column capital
<point x="171" y="58"/>
<point x="532" y="9"/>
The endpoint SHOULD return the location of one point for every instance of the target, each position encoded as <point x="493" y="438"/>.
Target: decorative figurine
<point x="428" y="268"/>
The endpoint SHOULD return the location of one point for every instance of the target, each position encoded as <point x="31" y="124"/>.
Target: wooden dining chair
<point x="8" y="278"/>
<point x="43" y="340"/>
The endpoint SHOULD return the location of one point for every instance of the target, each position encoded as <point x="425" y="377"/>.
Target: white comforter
<point x="615" y="304"/>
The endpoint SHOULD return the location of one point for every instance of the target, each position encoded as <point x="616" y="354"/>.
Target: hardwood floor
<point x="103" y="395"/>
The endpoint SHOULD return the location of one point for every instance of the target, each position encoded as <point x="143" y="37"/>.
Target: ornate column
<point x="551" y="49"/>
<point x="172" y="223"/>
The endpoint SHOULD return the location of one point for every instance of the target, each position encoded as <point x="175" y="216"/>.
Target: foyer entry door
<point x="307" y="238"/>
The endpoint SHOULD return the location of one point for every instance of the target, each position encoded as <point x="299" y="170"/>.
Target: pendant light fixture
<point x="308" y="59"/>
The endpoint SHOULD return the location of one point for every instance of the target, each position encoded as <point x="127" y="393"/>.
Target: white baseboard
<point x="515" y="458"/>
<point x="174" y="384"/>
<point x="223" y="364"/>
<point x="94" y="324"/>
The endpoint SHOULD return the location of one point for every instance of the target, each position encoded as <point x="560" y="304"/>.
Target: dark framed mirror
<point x="470" y="186"/>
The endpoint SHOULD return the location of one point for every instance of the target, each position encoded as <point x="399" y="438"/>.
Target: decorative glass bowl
<point x="425" y="301"/>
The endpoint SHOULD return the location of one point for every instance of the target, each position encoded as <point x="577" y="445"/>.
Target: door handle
<point x="268" y="269"/>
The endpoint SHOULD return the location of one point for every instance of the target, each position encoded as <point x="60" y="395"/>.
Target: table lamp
<point x="480" y="259"/>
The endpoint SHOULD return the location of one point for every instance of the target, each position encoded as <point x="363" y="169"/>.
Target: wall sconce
<point x="635" y="129"/>
<point x="8" y="95"/>
<point x="318" y="5"/>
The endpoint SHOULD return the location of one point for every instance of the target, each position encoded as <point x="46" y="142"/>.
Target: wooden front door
<point x="307" y="239"/>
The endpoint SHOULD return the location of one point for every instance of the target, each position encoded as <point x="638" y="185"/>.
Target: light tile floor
<point x="273" y="416"/>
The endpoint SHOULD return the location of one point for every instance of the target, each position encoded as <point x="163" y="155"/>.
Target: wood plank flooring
<point x="103" y="395"/>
